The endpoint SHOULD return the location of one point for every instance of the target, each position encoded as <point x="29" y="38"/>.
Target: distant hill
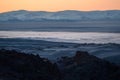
<point x="67" y="15"/>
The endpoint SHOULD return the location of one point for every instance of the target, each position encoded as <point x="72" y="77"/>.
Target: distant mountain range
<point x="67" y="15"/>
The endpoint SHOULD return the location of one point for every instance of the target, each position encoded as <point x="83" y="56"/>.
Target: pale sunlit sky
<point x="58" y="5"/>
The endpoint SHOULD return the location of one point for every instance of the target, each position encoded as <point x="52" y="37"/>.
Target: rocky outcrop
<point x="82" y="66"/>
<point x="88" y="67"/>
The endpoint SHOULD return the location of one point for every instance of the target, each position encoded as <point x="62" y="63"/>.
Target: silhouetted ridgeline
<point x="20" y="66"/>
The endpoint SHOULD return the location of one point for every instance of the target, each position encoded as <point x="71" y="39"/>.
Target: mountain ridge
<point x="66" y="15"/>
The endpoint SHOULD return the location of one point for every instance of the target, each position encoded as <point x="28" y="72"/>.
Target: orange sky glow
<point x="58" y="5"/>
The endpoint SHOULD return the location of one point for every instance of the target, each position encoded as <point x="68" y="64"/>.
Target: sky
<point x="58" y="5"/>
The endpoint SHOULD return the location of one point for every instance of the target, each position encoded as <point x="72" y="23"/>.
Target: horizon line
<point x="60" y="10"/>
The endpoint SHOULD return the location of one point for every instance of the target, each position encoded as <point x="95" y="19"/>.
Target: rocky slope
<point x="20" y="66"/>
<point x="82" y="66"/>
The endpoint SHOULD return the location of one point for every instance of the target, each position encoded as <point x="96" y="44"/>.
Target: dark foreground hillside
<point x="20" y="66"/>
<point x="82" y="66"/>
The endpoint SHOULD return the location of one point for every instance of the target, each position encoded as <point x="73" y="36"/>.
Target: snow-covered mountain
<point x="68" y="15"/>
